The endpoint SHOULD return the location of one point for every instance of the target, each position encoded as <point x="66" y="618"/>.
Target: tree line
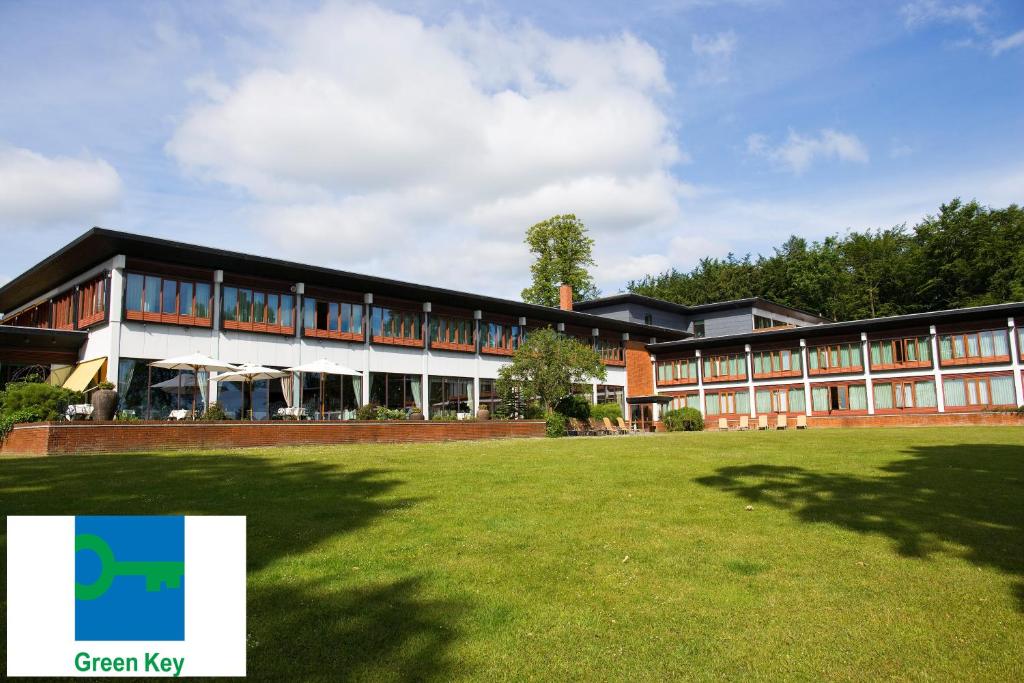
<point x="966" y="255"/>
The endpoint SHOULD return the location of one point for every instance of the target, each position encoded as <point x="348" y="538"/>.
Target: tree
<point x="563" y="252"/>
<point x="547" y="366"/>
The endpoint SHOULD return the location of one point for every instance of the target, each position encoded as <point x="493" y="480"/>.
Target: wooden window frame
<point x="719" y="359"/>
<point x="904" y="410"/>
<point x="971" y="360"/>
<point x="444" y="322"/>
<point x="510" y="341"/>
<point x="252" y="325"/>
<point x="399" y="340"/>
<point x="771" y="353"/>
<point x="89" y="292"/>
<point x="784" y="389"/>
<point x="64" y="311"/>
<point x="681" y="377"/>
<point x="901" y="344"/>
<point x="729" y="392"/>
<point x="170" y="318"/>
<point x="845" y="386"/>
<point x="317" y="333"/>
<point x="610" y="350"/>
<point x="837" y="370"/>
<point x="975" y="378"/>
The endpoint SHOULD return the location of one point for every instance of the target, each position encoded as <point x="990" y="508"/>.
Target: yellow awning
<point x="84" y="373"/>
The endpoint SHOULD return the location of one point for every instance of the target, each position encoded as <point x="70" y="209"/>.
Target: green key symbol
<point x="157" y="573"/>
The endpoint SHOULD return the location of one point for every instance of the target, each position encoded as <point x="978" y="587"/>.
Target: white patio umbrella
<point x="249" y="374"/>
<point x="195" y="362"/>
<point x="323" y="367"/>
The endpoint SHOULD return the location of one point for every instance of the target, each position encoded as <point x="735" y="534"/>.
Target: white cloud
<point x="1008" y="43"/>
<point x="371" y="132"/>
<point x="715" y="55"/>
<point x="40" y="191"/>
<point x="798" y="151"/>
<point x="922" y="12"/>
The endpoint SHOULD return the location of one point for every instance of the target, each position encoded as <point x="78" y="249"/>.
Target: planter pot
<point x="415" y="416"/>
<point x="104" y="404"/>
<point x="483" y="414"/>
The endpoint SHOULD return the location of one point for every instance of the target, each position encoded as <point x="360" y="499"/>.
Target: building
<point x="109" y="303"/>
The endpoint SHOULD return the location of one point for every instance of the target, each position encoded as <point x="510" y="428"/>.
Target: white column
<point x="940" y="399"/>
<point x="750" y="379"/>
<point x="115" y="305"/>
<point x="700" y="382"/>
<point x="367" y="311"/>
<point x="1015" y="359"/>
<point x="425" y="379"/>
<point x="804" y="355"/>
<point x="866" y="359"/>
<point x="300" y="304"/>
<point x="593" y="385"/>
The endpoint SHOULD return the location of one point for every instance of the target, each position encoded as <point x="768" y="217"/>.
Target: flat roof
<point x="100" y="244"/>
<point x="38" y="338"/>
<point x="683" y="309"/>
<point x="829" y="329"/>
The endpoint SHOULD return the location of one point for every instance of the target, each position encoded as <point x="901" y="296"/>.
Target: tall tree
<point x="563" y="252"/>
<point x="547" y="365"/>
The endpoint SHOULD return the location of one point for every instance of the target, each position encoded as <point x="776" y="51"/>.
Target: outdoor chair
<point x="744" y="422"/>
<point x="610" y="428"/>
<point x="781" y="422"/>
<point x="723" y="424"/>
<point x="572" y="428"/>
<point x="630" y="429"/>
<point x="179" y="414"/>
<point x="762" y="422"/>
<point x="78" y="411"/>
<point x="597" y="428"/>
<point x="801" y="422"/>
<point x="581" y="428"/>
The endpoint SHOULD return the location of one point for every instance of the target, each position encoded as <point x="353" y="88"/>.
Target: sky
<point x="419" y="140"/>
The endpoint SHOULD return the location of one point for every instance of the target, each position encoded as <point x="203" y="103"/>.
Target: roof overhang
<point x="653" y="398"/>
<point x="37" y="338"/>
<point x="682" y="309"/>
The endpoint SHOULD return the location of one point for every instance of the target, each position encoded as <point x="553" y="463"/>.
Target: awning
<point x="656" y="398"/>
<point x="84" y="373"/>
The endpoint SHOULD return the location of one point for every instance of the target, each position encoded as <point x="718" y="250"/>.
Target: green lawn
<point x="868" y="553"/>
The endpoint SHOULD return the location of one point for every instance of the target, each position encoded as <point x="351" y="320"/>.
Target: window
<point x="979" y="392"/>
<point x="452" y="333"/>
<point x="610" y="350"/>
<point x="839" y="398"/>
<point x="678" y="371"/>
<point x="797" y="400"/>
<point x="648" y="319"/>
<point x="37" y="316"/>
<point x="834" y="358"/>
<point x="64" y="311"/>
<point x="398" y="392"/>
<point x="609" y="393"/>
<point x="685" y="401"/>
<point x="500" y="338"/>
<point x="698" y="329"/>
<point x="904" y="395"/>
<point x="152" y="298"/>
<point x="330" y="319"/>
<point x="909" y="352"/>
<point x="763" y="323"/>
<point x="92" y="302"/>
<point x="246" y="309"/>
<point x="451" y="395"/>
<point x="396" y="327"/>
<point x="974" y="347"/>
<point x="776" y="363"/>
<point x="727" y="403"/>
<point x="771" y="401"/>
<point x="728" y="367"/>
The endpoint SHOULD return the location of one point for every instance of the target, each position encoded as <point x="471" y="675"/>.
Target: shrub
<point x="574" y="406"/>
<point x="125" y="416"/>
<point x="444" y="416"/>
<point x="214" y="412"/>
<point x="105" y="385"/>
<point x="603" y="410"/>
<point x="388" y="414"/>
<point x="533" y="411"/>
<point x="683" y="420"/>
<point x="49" y="401"/>
<point x="367" y="412"/>
<point x="555" y="425"/>
<point x="8" y="420"/>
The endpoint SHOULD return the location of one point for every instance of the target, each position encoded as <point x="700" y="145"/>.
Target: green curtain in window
<point x="812" y="359"/>
<point x="924" y="395"/>
<point x="743" y="403"/>
<point x="1003" y="393"/>
<point x="986" y="344"/>
<point x="883" y="396"/>
<point x="758" y="364"/>
<point x="945" y="348"/>
<point x="1001" y="343"/>
<point x="707" y="367"/>
<point x="691" y="369"/>
<point x="876" y="353"/>
<point x="819" y="399"/>
<point x="796" y="401"/>
<point x="858" y="397"/>
<point x="763" y="401"/>
<point x="855" y="361"/>
<point x="953" y="392"/>
<point x="711" y="406"/>
<point x="794" y="360"/>
<point x="693" y="401"/>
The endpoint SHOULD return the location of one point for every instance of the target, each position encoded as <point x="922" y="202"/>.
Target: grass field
<point x="867" y="554"/>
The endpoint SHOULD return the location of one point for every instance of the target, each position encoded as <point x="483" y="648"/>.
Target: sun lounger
<point x="781" y="422"/>
<point x="762" y="422"/>
<point x="631" y="429"/>
<point x="744" y="422"/>
<point x="801" y="422"/>
<point x="595" y="427"/>
<point x="612" y="429"/>
<point x="723" y="424"/>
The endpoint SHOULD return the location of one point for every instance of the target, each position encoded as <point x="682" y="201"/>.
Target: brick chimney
<point x="565" y="297"/>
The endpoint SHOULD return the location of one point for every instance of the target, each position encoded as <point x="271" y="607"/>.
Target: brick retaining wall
<point x="908" y="420"/>
<point x="65" y="438"/>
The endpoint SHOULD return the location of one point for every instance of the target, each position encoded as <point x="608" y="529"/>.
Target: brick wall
<point x="908" y="420"/>
<point x="639" y="375"/>
<point x="64" y="438"/>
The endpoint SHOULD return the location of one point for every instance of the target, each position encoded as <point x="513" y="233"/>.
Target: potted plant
<point x="104" y="402"/>
<point x="416" y="414"/>
<point x="483" y="413"/>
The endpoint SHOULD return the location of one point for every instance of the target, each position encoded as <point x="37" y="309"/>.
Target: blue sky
<point x="418" y="140"/>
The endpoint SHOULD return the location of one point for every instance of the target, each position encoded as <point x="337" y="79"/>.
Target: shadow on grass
<point x="963" y="500"/>
<point x="301" y="625"/>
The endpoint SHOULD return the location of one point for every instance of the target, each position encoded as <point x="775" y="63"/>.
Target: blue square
<point x="129" y="578"/>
